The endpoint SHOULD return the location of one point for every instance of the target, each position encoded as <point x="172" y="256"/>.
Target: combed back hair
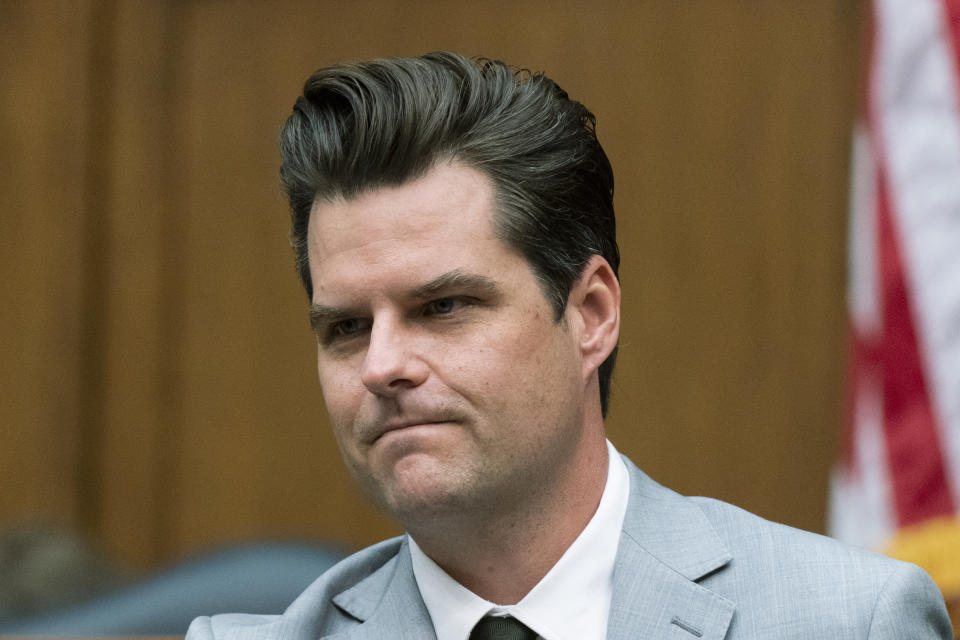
<point x="383" y="123"/>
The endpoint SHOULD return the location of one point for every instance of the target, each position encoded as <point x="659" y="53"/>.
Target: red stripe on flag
<point x="920" y="486"/>
<point x="951" y="10"/>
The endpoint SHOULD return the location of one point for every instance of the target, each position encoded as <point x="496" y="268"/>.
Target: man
<point x="453" y="226"/>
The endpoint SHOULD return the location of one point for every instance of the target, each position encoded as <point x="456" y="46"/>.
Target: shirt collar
<point x="571" y="602"/>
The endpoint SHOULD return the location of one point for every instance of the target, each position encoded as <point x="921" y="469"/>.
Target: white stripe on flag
<point x="861" y="499"/>
<point x="863" y="289"/>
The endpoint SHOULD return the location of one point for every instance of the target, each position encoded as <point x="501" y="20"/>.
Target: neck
<point x="501" y="554"/>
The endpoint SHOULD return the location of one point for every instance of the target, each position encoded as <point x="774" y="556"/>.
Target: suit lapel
<point x="387" y="603"/>
<point x="667" y="544"/>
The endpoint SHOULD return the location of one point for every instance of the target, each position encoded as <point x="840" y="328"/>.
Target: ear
<point x="595" y="304"/>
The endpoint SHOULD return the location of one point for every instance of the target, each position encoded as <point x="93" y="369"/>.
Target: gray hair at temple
<point x="383" y="123"/>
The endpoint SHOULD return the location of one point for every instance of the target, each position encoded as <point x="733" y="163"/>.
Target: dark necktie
<point x="501" y="628"/>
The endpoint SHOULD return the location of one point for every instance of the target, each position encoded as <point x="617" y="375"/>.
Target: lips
<point x="405" y="424"/>
<point x="395" y="416"/>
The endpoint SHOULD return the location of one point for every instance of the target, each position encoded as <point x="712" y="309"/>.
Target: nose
<point x="391" y="363"/>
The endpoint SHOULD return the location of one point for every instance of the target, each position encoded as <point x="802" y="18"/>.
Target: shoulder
<point x="763" y="547"/>
<point x="319" y="609"/>
<point x="805" y="580"/>
<point x="779" y="578"/>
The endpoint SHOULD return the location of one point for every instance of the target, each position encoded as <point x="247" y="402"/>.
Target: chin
<point x="422" y="499"/>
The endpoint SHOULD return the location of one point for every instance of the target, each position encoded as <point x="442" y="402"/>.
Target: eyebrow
<point x="456" y="280"/>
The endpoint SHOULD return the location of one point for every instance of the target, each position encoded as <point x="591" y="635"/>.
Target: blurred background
<point x="157" y="372"/>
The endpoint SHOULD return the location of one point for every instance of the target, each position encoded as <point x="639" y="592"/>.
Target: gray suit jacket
<point x="686" y="568"/>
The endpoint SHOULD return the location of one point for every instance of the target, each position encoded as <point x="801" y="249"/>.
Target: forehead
<point x="440" y="221"/>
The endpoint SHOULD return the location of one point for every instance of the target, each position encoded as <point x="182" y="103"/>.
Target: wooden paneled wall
<point x="158" y="383"/>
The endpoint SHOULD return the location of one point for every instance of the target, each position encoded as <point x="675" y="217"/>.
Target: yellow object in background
<point x="935" y="546"/>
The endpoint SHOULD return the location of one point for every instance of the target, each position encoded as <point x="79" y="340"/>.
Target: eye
<point x="442" y="306"/>
<point x="348" y="327"/>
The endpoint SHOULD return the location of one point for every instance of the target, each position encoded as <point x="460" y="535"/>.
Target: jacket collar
<point x="388" y="603"/>
<point x="666" y="546"/>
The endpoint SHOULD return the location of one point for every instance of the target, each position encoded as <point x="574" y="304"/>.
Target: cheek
<point x="339" y="394"/>
<point x="548" y="364"/>
<point x="512" y="366"/>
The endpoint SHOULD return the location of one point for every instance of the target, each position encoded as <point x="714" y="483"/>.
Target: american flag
<point x="896" y="487"/>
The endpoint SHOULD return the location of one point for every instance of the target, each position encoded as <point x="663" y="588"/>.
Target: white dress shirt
<point x="571" y="602"/>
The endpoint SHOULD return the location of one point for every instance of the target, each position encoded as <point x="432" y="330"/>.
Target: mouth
<point x="406" y="425"/>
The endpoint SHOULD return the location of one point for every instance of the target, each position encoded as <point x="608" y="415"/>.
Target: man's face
<point x="449" y="386"/>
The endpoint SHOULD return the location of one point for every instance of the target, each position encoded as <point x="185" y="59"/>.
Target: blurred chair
<point x="260" y="578"/>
